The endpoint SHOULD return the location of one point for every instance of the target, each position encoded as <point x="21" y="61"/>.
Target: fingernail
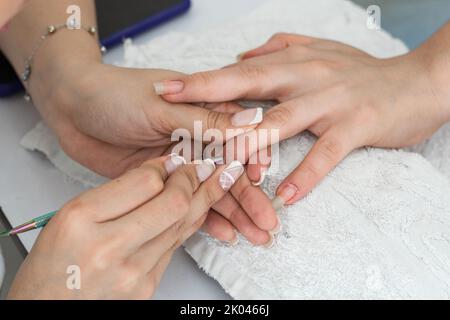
<point x="278" y="227"/>
<point x="262" y="177"/>
<point x="247" y="117"/>
<point x="285" y="194"/>
<point x="278" y="203"/>
<point x="230" y="175"/>
<point x="240" y="56"/>
<point x="168" y="87"/>
<point x="235" y="241"/>
<point x="271" y="242"/>
<point x="174" y="162"/>
<point x="205" y="170"/>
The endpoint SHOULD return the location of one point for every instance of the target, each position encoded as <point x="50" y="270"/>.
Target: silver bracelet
<point x="51" y="30"/>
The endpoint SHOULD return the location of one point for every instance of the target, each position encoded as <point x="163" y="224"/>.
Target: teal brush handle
<point x="44" y="219"/>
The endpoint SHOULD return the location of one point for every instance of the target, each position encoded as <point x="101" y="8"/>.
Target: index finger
<point x="128" y="192"/>
<point x="243" y="81"/>
<point x="166" y="209"/>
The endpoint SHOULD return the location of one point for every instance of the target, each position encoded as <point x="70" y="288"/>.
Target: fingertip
<point x="288" y="193"/>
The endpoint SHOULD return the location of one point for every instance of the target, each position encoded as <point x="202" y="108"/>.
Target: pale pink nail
<point x="230" y="175"/>
<point x="247" y="117"/>
<point x="168" y="87"/>
<point x="285" y="194"/>
<point x="271" y="242"/>
<point x="235" y="241"/>
<point x="174" y="162"/>
<point x="277" y="228"/>
<point x="205" y="170"/>
<point x="262" y="177"/>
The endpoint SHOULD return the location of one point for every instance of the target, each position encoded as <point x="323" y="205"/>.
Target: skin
<point x="110" y="119"/>
<point x="120" y="235"/>
<point x="344" y="96"/>
<point x="8" y="8"/>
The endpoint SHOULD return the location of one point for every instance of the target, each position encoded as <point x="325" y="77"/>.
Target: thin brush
<point x="36" y="223"/>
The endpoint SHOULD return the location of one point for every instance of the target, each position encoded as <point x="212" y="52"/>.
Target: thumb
<point x="198" y="120"/>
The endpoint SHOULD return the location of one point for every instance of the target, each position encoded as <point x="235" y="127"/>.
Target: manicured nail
<point x="168" y="87"/>
<point x="278" y="203"/>
<point x="230" y="175"/>
<point x="278" y="227"/>
<point x="285" y="194"/>
<point x="205" y="170"/>
<point x="271" y="242"/>
<point x="247" y="117"/>
<point x="235" y="241"/>
<point x="174" y="162"/>
<point x="262" y="177"/>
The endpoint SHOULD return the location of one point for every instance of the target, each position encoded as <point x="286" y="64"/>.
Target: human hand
<point x="344" y="96"/>
<point x="111" y="120"/>
<point x="121" y="235"/>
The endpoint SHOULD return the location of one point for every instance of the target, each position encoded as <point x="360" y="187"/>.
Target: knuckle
<point x="214" y="120"/>
<point x="330" y="149"/>
<point x="251" y="71"/>
<point x="150" y="178"/>
<point x="202" y="78"/>
<point x="74" y="215"/>
<point x="279" y="116"/>
<point x="191" y="175"/>
<point x="177" y="231"/>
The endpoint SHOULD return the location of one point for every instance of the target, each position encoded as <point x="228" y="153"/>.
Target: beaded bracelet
<point x="51" y="30"/>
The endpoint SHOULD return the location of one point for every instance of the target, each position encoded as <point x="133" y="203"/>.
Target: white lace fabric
<point x="377" y="227"/>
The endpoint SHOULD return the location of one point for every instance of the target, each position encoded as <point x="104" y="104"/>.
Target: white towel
<point x="377" y="227"/>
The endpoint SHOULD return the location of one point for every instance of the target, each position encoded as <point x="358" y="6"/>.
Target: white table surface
<point x="30" y="185"/>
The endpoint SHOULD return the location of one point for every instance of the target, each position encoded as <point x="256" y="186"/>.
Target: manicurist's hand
<point x="344" y="96"/>
<point x="119" y="238"/>
<point x="110" y="119"/>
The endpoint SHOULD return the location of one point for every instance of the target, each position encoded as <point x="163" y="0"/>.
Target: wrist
<point x="59" y="65"/>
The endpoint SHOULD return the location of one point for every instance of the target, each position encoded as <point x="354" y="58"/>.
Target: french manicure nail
<point x="247" y="117"/>
<point x="235" y="241"/>
<point x="230" y="175"/>
<point x="168" y="87"/>
<point x="174" y="162"/>
<point x="262" y="177"/>
<point x="271" y="242"/>
<point x="278" y="227"/>
<point x="205" y="169"/>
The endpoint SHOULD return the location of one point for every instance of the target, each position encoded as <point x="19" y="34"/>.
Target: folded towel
<point x="377" y="227"/>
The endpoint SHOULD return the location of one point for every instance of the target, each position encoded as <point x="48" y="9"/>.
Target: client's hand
<point x="344" y="96"/>
<point x="110" y="120"/>
<point x="119" y="238"/>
